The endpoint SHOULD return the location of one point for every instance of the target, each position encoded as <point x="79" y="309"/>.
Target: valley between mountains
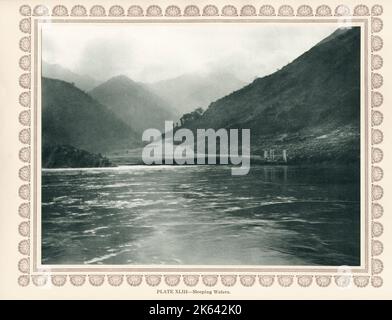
<point x="310" y="108"/>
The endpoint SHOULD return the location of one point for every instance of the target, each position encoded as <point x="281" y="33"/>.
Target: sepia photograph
<point x="228" y="144"/>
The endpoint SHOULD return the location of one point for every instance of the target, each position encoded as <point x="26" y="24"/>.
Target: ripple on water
<point x="191" y="215"/>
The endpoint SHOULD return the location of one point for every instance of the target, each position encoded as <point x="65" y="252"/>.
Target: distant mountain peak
<point x="121" y="77"/>
<point x="193" y="90"/>
<point x="57" y="71"/>
<point x="134" y="103"/>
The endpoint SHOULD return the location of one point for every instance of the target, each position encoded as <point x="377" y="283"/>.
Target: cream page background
<point x="10" y="164"/>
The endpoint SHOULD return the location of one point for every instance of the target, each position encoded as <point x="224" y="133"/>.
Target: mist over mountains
<point x="190" y="91"/>
<point x="177" y="95"/>
<point x="56" y="71"/>
<point x="130" y="101"/>
<point x="310" y="107"/>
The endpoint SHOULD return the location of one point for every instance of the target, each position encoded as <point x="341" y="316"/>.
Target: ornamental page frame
<point x="31" y="273"/>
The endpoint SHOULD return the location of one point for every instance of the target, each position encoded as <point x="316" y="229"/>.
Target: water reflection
<point x="201" y="215"/>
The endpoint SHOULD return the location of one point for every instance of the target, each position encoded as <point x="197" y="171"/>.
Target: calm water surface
<point x="275" y="215"/>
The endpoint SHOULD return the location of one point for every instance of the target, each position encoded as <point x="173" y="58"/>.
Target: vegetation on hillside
<point x="311" y="107"/>
<point x="63" y="156"/>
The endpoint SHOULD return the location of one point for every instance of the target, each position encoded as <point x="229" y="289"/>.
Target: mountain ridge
<point x="56" y="71"/>
<point x="316" y="95"/>
<point x="71" y="117"/>
<point x="133" y="103"/>
<point x="190" y="91"/>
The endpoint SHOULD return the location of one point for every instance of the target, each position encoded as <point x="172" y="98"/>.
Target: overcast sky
<point x="153" y="52"/>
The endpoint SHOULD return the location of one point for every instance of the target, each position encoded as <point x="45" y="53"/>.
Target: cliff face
<point x="311" y="107"/>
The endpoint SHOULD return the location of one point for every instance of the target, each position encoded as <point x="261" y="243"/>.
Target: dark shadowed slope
<point x="72" y="117"/>
<point x="133" y="103"/>
<point x="310" y="107"/>
<point x="65" y="156"/>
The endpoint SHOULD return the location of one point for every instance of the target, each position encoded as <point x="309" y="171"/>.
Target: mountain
<point x="56" y="71"/>
<point x="190" y="91"/>
<point x="311" y="107"/>
<point x="72" y="117"/>
<point x="133" y="103"/>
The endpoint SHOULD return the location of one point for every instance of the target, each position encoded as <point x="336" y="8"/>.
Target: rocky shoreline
<point x="66" y="156"/>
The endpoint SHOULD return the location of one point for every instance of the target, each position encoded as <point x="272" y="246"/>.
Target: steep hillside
<point x="56" y="156"/>
<point x="133" y="103"/>
<point x="311" y="107"/>
<point x="72" y="117"/>
<point x="56" y="71"/>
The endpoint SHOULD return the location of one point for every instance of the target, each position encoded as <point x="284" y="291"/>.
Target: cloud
<point x="105" y="59"/>
<point x="153" y="52"/>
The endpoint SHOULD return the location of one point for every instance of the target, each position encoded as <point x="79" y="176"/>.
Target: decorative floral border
<point x="343" y="279"/>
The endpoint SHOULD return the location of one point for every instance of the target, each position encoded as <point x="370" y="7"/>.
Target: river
<point x="193" y="215"/>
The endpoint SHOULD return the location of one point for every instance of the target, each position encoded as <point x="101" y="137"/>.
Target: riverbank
<point x="66" y="156"/>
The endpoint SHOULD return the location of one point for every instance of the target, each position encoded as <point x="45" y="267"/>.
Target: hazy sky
<point x="153" y="52"/>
